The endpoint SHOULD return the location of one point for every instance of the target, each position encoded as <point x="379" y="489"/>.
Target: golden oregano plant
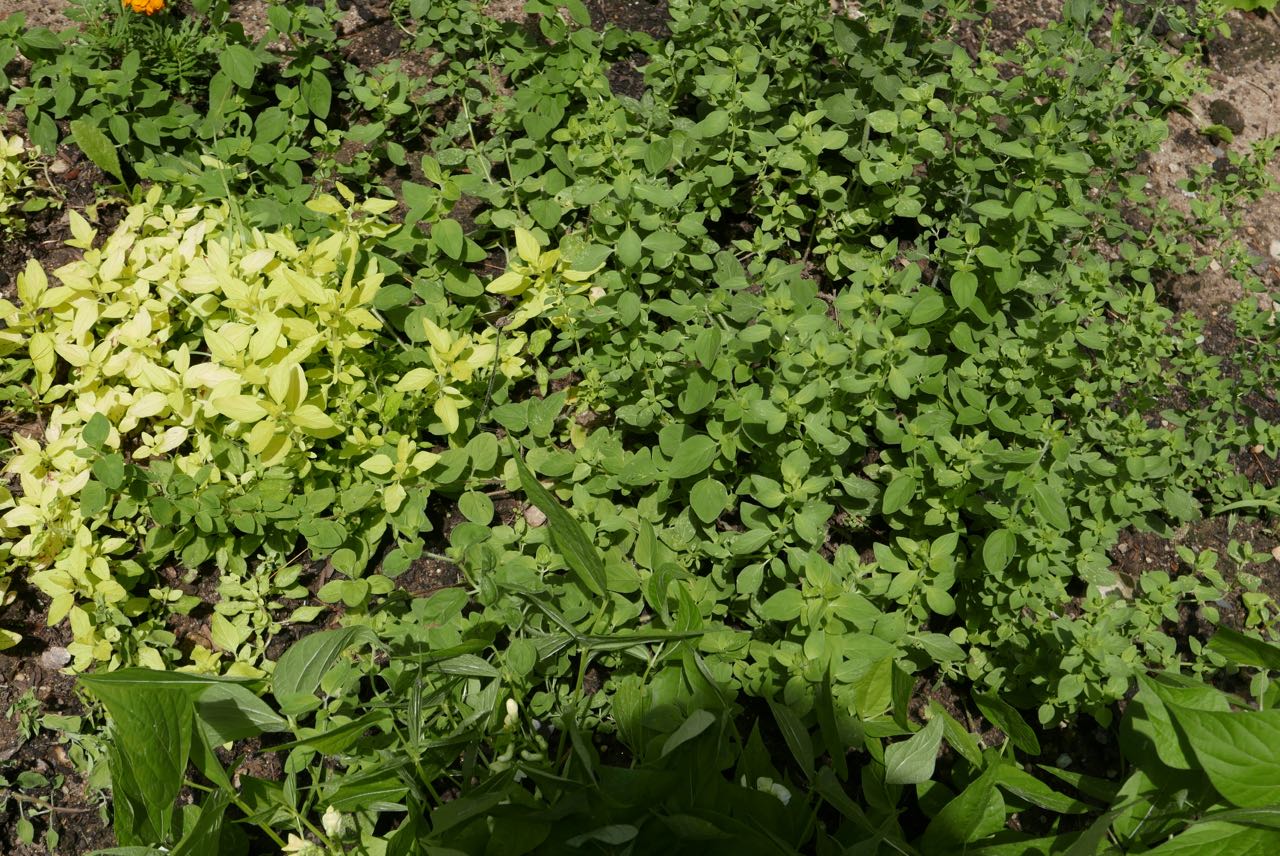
<point x="185" y="329"/>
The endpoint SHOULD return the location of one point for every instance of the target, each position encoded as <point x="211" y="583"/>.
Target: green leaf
<point x="930" y="307"/>
<point x="911" y="761"/>
<point x="230" y="712"/>
<point x="899" y="492"/>
<point x="1245" y="650"/>
<point x="708" y="499"/>
<point x="240" y="65"/>
<point x="977" y="812"/>
<point x="1148" y="715"/>
<point x="447" y="236"/>
<point x="299" y="671"/>
<point x="957" y="735"/>
<point x="785" y="605"/>
<point x="693" y="456"/>
<point x="97" y="146"/>
<point x="1051" y="506"/>
<point x="698" y="722"/>
<point x="1003" y="716"/>
<point x="629" y="248"/>
<point x="964" y="288"/>
<point x="1025" y="786"/>
<point x="579" y="553"/>
<point x="40" y="39"/>
<point x="1216" y="837"/>
<point x="657" y="156"/>
<point x="318" y="93"/>
<point x="713" y="125"/>
<point x="152" y="727"/>
<point x="1237" y="751"/>
<point x="204" y="836"/>
<point x="998" y="550"/>
<point x="883" y="121"/>
<point x="992" y="209"/>
<point x="796" y="736"/>
<point x="96" y="430"/>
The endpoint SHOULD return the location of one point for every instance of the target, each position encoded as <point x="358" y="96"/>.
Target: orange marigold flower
<point x="145" y="7"/>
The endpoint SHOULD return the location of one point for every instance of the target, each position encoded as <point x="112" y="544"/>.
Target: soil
<point x="31" y="669"/>
<point x="1245" y="97"/>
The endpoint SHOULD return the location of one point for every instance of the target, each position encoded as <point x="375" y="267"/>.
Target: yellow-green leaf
<point x="241" y="408"/>
<point x="377" y="464"/>
<point x="527" y="245"/>
<point x="415" y="379"/>
<point x="312" y="418"/>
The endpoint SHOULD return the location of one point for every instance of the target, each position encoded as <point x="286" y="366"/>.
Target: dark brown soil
<point x="27" y="670"/>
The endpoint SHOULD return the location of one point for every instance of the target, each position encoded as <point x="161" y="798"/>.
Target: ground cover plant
<point x="711" y="438"/>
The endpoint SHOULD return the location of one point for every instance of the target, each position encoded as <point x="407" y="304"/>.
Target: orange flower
<point x="145" y="7"/>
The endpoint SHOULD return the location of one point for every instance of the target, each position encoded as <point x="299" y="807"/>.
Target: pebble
<point x="1275" y="553"/>
<point x="1064" y="760"/>
<point x="534" y="516"/>
<point x="1274" y="249"/>
<point x="55" y="657"/>
<point x="1258" y="449"/>
<point x="59" y="166"/>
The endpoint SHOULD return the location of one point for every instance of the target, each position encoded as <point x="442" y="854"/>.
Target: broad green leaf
<point x="1022" y="784"/>
<point x="96" y="430"/>
<point x="1245" y="650"/>
<point x="693" y="456"/>
<point x="447" y="236"/>
<point x="784" y="605"/>
<point x="911" y="761"/>
<point x="964" y="288"/>
<point x="1238" y="751"/>
<point x="883" y="121"/>
<point x="97" y="146"/>
<point x="230" y="712"/>
<point x="1003" y="716"/>
<point x="1051" y="506"/>
<point x="1148" y="714"/>
<point x="708" y="499"/>
<point x="698" y="722"/>
<point x="1217" y="837"/>
<point x="796" y="736"/>
<point x="318" y="93"/>
<point x="204" y="836"/>
<point x="299" y="671"/>
<point x="241" y="408"/>
<point x="152" y="724"/>
<point x="992" y="209"/>
<point x="998" y="549"/>
<point x="899" y="492"/>
<point x="240" y="65"/>
<point x="629" y="248"/>
<point x="976" y="812"/>
<point x="579" y="553"/>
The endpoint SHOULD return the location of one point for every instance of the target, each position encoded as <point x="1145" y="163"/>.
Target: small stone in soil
<point x="534" y="516"/>
<point x="1275" y="553"/>
<point x="1274" y="249"/>
<point x="55" y="657"/>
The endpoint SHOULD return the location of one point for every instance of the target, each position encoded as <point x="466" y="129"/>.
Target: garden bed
<point x="486" y="516"/>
